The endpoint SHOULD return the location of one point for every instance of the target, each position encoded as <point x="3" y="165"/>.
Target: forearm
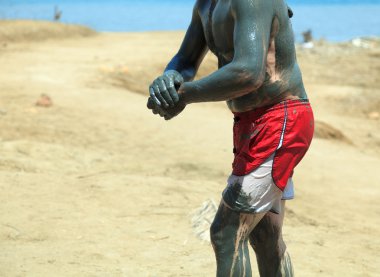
<point x="185" y="69"/>
<point x="228" y="82"/>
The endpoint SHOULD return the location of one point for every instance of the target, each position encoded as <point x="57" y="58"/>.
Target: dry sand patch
<point x="96" y="186"/>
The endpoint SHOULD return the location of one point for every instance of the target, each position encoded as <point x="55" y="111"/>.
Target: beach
<point x="333" y="20"/>
<point x="93" y="184"/>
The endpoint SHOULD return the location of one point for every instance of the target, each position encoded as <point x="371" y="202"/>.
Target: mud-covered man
<point x="261" y="82"/>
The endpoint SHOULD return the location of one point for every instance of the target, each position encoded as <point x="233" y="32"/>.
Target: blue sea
<point x="335" y="20"/>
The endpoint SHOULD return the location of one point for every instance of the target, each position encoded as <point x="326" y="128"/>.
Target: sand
<point x="92" y="184"/>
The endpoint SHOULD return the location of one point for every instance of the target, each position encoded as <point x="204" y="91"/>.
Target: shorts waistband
<point x="262" y="110"/>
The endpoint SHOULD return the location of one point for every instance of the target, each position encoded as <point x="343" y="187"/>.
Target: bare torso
<point x="283" y="78"/>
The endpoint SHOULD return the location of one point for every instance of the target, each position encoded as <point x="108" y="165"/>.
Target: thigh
<point x="268" y="231"/>
<point x="233" y="224"/>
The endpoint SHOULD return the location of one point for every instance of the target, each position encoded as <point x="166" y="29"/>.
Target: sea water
<point x="335" y="20"/>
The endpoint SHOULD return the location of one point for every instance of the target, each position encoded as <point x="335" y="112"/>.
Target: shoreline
<point x="26" y="26"/>
<point x="339" y="22"/>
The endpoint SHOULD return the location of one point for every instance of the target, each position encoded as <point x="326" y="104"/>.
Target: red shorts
<point x="285" y="129"/>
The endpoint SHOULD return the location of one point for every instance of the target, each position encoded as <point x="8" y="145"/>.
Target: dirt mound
<point x="326" y="131"/>
<point x="27" y="30"/>
<point x="364" y="103"/>
<point x="342" y="64"/>
<point x="138" y="79"/>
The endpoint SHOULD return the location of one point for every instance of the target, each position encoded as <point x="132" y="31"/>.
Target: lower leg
<point x="273" y="262"/>
<point x="285" y="269"/>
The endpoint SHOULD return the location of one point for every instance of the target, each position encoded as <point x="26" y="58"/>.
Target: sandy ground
<point x="95" y="185"/>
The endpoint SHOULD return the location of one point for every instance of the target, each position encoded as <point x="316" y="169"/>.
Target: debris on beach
<point x="202" y="218"/>
<point x="358" y="42"/>
<point x="308" y="39"/>
<point x="44" y="101"/>
<point x="364" y="42"/>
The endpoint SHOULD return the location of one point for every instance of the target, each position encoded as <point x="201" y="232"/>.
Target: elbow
<point x="250" y="78"/>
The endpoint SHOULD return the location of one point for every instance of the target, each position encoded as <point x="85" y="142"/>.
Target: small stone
<point x="124" y="70"/>
<point x="44" y="101"/>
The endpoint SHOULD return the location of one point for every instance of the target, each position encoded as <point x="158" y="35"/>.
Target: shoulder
<point x="252" y="12"/>
<point x="252" y="5"/>
<point x="199" y="4"/>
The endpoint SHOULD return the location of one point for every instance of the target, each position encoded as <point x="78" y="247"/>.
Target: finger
<point x="150" y="104"/>
<point x="158" y="110"/>
<point x="168" y="117"/>
<point x="164" y="92"/>
<point x="153" y="96"/>
<point x="169" y="82"/>
<point x="155" y="111"/>
<point x="178" y="80"/>
<point x="161" y="112"/>
<point x="159" y="96"/>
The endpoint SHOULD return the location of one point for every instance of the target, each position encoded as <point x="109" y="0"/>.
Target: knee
<point x="221" y="235"/>
<point x="215" y="236"/>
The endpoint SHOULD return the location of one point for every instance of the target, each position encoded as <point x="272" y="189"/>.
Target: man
<point x="260" y="80"/>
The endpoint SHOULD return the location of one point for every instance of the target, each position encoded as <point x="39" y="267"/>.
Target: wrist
<point x="172" y="73"/>
<point x="183" y="96"/>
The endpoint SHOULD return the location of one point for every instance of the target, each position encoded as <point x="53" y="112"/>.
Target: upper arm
<point x="253" y="22"/>
<point x="193" y="47"/>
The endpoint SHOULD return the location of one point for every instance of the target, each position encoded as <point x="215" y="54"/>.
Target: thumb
<point x="178" y="80"/>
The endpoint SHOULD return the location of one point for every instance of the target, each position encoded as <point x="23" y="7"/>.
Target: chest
<point x="218" y="26"/>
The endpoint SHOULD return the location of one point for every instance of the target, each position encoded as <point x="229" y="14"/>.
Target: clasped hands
<point x="164" y="98"/>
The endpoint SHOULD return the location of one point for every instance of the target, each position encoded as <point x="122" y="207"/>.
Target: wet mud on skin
<point x="229" y="238"/>
<point x="256" y="68"/>
<point x="230" y="233"/>
<point x="241" y="246"/>
<point x="267" y="242"/>
<point x="211" y="42"/>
